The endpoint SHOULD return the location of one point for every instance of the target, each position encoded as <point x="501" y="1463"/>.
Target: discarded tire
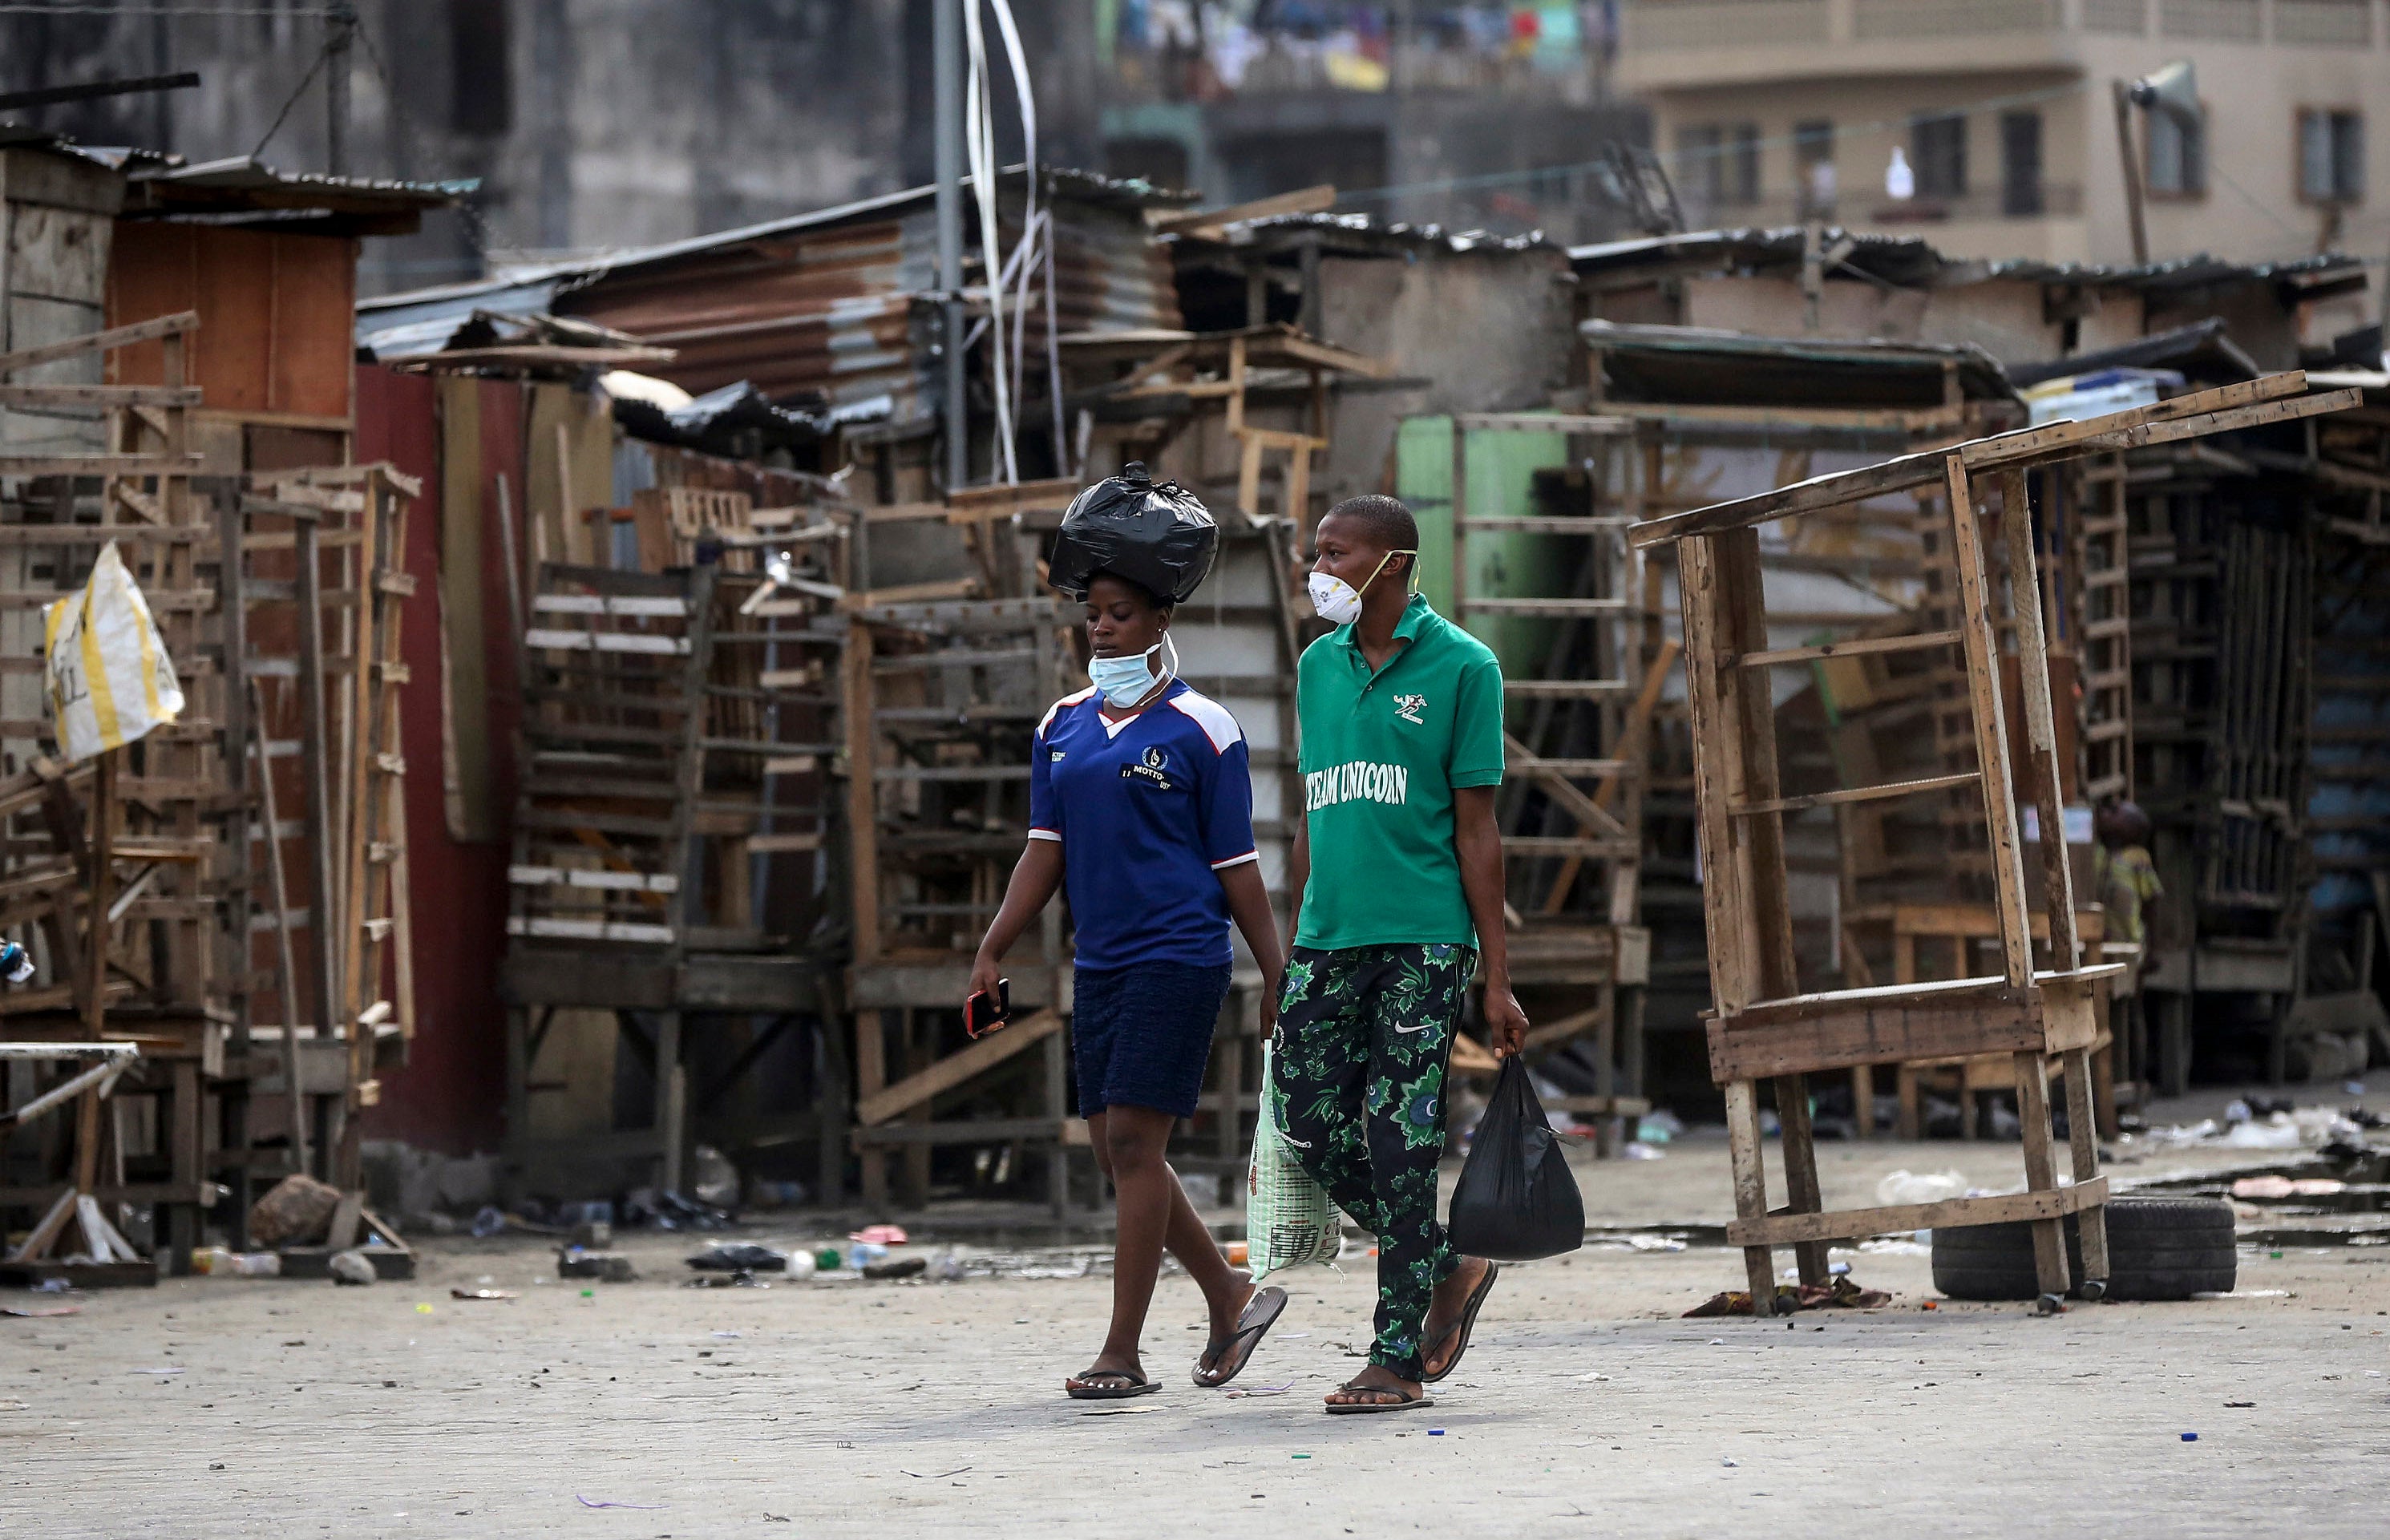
<point x="2158" y="1248"/>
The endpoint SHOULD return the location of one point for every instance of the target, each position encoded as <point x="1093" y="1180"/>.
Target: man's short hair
<point x="1384" y="519"/>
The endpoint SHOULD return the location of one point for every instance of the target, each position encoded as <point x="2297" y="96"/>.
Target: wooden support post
<point x="1750" y="1190"/>
<point x="2040" y="1171"/>
<point x="324" y="928"/>
<point x="672" y="1101"/>
<point x="2083" y="1138"/>
<point x="2040" y="722"/>
<point x="1982" y="645"/>
<point x="871" y="1077"/>
<point x="102" y="845"/>
<point x="286" y="978"/>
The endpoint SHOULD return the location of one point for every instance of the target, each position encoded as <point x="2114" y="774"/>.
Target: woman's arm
<point x="1298" y="877"/>
<point x="1249" y="905"/>
<point x="1034" y="877"/>
<point x="1477" y="839"/>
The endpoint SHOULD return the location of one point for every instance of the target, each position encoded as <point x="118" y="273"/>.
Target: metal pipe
<point x="946" y="68"/>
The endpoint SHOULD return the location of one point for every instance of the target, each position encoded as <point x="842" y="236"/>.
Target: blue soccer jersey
<point x="1147" y="811"/>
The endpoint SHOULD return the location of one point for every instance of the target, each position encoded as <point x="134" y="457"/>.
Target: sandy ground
<point x="228" y="1407"/>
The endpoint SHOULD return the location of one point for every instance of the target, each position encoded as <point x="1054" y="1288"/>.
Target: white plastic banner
<point x="111" y="681"/>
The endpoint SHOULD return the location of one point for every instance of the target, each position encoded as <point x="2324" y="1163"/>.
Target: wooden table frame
<point x="1763" y="1027"/>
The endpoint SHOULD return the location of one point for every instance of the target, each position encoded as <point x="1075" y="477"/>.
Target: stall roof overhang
<point x="2200" y="351"/>
<point x="2251" y="404"/>
<point x="242" y="190"/>
<point x="1353" y="235"/>
<point x="1691" y="365"/>
<point x="1912" y="261"/>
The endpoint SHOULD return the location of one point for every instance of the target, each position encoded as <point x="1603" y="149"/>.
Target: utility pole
<point x="340" y="30"/>
<point x="946" y="66"/>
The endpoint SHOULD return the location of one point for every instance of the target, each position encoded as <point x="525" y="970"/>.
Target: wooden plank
<point x="2076" y="436"/>
<point x="955" y="1069"/>
<point x="913" y="593"/>
<point x="1856" y="794"/>
<point x="98" y="395"/>
<point x="100" y="464"/>
<point x="1753" y="776"/>
<point x="98" y="341"/>
<point x="1544" y="422"/>
<point x="1544" y="607"/>
<point x="2040" y="1171"/>
<point x="1950" y="1213"/>
<point x="1206" y="223"/>
<point x="19" y="537"/>
<point x="1914" y="642"/>
<point x="1836" y="1038"/>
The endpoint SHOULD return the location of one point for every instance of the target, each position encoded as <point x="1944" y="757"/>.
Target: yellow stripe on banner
<point x="103" y="698"/>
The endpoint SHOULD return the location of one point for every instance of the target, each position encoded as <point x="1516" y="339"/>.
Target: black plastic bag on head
<point x="1157" y="535"/>
<point x="1516" y="1200"/>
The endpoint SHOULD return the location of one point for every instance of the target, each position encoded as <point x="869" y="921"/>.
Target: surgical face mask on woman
<point x="1126" y="681"/>
<point x="1339" y="602"/>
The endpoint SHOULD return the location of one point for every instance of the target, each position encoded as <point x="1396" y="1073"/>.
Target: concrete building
<point x="2000" y="114"/>
<point x="1490" y="116"/>
<point x="593" y="125"/>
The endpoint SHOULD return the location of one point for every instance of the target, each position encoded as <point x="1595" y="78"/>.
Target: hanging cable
<point x="979" y="135"/>
<point x="1025" y="101"/>
<point x="292" y="100"/>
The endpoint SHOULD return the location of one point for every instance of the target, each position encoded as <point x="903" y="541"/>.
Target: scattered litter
<point x="1727" y="1461"/>
<point x="739" y="1256"/>
<point x="1654" y="1243"/>
<point x="2240" y="1404"/>
<point x="1244" y="1390"/>
<point x="939" y="1477"/>
<point x="423" y="1310"/>
<point x="51" y="1310"/>
<point x="221" y="1261"/>
<point x="1840" y="1294"/>
<point x="1301" y="1456"/>
<point x="880" y="1234"/>
<point x="483" y="1294"/>
<point x="161" y="1372"/>
<point x="16" y="1405"/>
<point x="908" y="1267"/>
<point x="585" y="1502"/>
<point x="740" y="1280"/>
<point x="353" y="1268"/>
<point x="605" y="1266"/>
<point x="2286" y="1187"/>
<point x="1597" y="1377"/>
<point x="1904" y="1187"/>
<point x="727" y="1336"/>
<point x="2190" y="1438"/>
<point x="1891" y="1246"/>
<point x="1636" y="1150"/>
<point x="1120" y="1411"/>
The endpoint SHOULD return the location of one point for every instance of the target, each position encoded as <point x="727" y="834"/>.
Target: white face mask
<point x="1126" y="681"/>
<point x="1339" y="602"/>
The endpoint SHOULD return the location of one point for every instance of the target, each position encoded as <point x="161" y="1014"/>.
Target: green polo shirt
<point x="1380" y="756"/>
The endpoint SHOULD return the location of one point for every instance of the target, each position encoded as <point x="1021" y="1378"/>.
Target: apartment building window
<point x="1813" y="164"/>
<point x="1742" y="163"/>
<point x="2332" y="155"/>
<point x="1937" y="152"/>
<point x="2177" y="155"/>
<point x="1701" y="165"/>
<point x="2021" y="165"/>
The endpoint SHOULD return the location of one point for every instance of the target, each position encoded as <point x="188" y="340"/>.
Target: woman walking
<point x="1141" y="806"/>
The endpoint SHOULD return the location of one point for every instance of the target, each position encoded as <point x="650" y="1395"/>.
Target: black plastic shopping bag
<point x="1517" y="1199"/>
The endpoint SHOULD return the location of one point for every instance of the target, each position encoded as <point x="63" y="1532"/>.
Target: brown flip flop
<point x="1352" y="1408"/>
<point x="1462" y="1327"/>
<point x="1130" y="1384"/>
<point x="1238" y="1350"/>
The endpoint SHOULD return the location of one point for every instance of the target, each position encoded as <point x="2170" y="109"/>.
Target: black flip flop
<point x="1131" y="1384"/>
<point x="1238" y="1350"/>
<point x="1355" y="1408"/>
<point x="1468" y="1320"/>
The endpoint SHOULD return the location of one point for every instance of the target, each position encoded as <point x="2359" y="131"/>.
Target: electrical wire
<point x="319" y="12"/>
<point x="292" y="100"/>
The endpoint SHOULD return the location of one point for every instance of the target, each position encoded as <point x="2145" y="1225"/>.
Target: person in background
<point x="2124" y="872"/>
<point x="1141" y="802"/>
<point x="1398" y="866"/>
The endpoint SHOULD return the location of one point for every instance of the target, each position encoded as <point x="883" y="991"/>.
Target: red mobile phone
<point x="982" y="1015"/>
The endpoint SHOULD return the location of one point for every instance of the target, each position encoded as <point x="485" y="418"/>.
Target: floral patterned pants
<point x="1363" y="1036"/>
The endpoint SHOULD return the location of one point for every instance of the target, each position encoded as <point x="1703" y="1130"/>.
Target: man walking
<point x="1397" y="871"/>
